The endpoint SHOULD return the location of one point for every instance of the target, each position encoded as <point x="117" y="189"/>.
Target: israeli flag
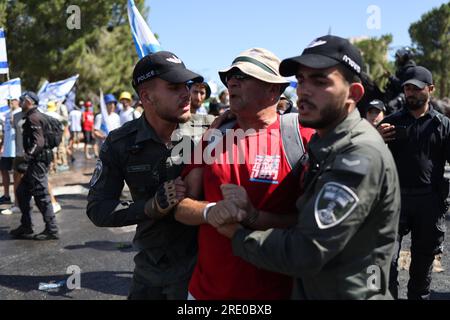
<point x="56" y="91"/>
<point x="143" y="37"/>
<point x="9" y="90"/>
<point x="4" y="69"/>
<point x="44" y="85"/>
<point x="104" y="127"/>
<point x="70" y="99"/>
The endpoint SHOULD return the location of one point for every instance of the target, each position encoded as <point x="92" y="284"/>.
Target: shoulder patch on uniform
<point x="334" y="203"/>
<point x="97" y="173"/>
<point x="354" y="163"/>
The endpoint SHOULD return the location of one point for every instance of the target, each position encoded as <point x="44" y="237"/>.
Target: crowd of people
<point x="304" y="200"/>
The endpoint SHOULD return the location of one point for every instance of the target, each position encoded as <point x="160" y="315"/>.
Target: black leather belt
<point x="416" y="191"/>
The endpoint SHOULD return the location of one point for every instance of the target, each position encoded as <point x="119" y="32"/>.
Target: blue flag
<point x="8" y="90"/>
<point x="143" y="37"/>
<point x="56" y="91"/>
<point x="3" y="56"/>
<point x="104" y="126"/>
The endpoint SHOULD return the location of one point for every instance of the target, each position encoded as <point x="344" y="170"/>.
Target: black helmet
<point x="404" y="54"/>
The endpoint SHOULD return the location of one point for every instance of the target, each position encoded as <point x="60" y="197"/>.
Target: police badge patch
<point x="334" y="203"/>
<point x="97" y="173"/>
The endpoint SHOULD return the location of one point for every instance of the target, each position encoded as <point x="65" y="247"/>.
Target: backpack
<point x="53" y="131"/>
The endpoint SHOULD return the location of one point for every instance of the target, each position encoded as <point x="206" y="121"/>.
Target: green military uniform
<point x="342" y="245"/>
<point x="167" y="249"/>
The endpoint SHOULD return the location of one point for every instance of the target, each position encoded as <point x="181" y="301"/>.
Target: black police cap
<point x="164" y="65"/>
<point x="325" y="52"/>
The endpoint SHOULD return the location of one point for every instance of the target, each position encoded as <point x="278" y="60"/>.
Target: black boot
<point x="22" y="232"/>
<point x="46" y="235"/>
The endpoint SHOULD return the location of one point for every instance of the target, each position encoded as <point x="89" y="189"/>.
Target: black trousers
<point x="424" y="217"/>
<point x="35" y="184"/>
<point x="141" y="290"/>
<point x="164" y="279"/>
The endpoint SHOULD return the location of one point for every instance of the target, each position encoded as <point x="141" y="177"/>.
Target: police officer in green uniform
<point x="146" y="154"/>
<point x="342" y="244"/>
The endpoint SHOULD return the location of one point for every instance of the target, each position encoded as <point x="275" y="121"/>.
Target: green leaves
<point x="374" y="51"/>
<point x="431" y="36"/>
<point x="41" y="46"/>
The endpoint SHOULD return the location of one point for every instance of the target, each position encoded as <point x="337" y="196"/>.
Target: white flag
<point x="105" y="124"/>
<point x="3" y="57"/>
<point x="9" y="90"/>
<point x="56" y="91"/>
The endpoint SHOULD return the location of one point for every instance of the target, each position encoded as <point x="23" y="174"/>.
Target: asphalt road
<point x="104" y="256"/>
<point x="440" y="285"/>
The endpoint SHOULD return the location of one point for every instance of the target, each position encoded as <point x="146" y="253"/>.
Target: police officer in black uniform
<point x="35" y="180"/>
<point x="142" y="154"/>
<point x="419" y="138"/>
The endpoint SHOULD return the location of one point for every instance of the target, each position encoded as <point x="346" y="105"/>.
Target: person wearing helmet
<point x="128" y="113"/>
<point x="403" y="61"/>
<point x="103" y="127"/>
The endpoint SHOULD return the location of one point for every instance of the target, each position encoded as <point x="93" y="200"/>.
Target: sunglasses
<point x="240" y="76"/>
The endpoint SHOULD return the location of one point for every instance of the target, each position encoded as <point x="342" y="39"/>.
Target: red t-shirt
<point x="218" y="273"/>
<point x="88" y="120"/>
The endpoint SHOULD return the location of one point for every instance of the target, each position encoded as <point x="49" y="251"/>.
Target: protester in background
<point x="18" y="162"/>
<point x="138" y="106"/>
<point x="285" y="105"/>
<point x="375" y="112"/>
<point x="63" y="153"/>
<point x="76" y="132"/>
<point x="128" y="113"/>
<point x="8" y="149"/>
<point x="224" y="98"/>
<point x="87" y="120"/>
<point x="199" y="93"/>
<point x="103" y="126"/>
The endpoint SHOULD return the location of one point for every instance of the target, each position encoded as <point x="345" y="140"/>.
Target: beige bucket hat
<point x="259" y="63"/>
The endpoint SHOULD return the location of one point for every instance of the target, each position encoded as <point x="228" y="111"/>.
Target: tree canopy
<point x="431" y="36"/>
<point x="375" y="52"/>
<point x="41" y="46"/>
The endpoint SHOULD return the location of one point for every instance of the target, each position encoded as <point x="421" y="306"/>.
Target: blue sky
<point x="208" y="35"/>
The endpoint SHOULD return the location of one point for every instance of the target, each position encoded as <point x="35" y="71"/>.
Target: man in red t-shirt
<point x="255" y="160"/>
<point x="88" y="123"/>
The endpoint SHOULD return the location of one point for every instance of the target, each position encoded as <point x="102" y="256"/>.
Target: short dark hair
<point x="349" y="75"/>
<point x="149" y="84"/>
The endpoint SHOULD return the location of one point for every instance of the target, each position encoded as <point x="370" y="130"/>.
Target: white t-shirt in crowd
<point x="75" y="120"/>
<point x="9" y="135"/>
<point x="128" y="115"/>
<point x="113" y="122"/>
